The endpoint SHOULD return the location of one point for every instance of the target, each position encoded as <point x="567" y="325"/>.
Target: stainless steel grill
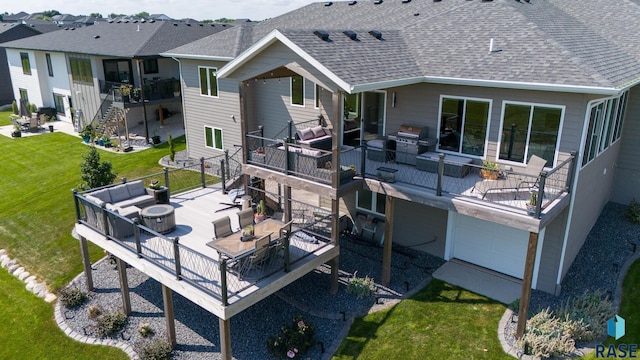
<point x="408" y="142"/>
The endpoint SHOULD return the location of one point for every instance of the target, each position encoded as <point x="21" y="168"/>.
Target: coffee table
<point x="159" y="218"/>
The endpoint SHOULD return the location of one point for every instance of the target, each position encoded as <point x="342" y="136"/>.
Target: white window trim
<point x="213" y="134"/>
<point x="486" y="136"/>
<point x="208" y="82"/>
<point x="304" y="91"/>
<point x="612" y="141"/>
<point x="374" y="203"/>
<point x="563" y="109"/>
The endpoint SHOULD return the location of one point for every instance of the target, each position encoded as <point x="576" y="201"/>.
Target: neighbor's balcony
<point x="157" y="89"/>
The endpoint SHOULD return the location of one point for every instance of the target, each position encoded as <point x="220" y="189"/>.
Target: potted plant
<point x="16" y="131"/>
<point x="135" y="94"/>
<point x="261" y="212"/>
<point x="247" y="233"/>
<point x="125" y="89"/>
<point x="489" y="170"/>
<point x="533" y="203"/>
<point x="87" y="133"/>
<point x="160" y="193"/>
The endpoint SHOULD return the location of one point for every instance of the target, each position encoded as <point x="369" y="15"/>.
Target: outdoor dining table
<point x="232" y="247"/>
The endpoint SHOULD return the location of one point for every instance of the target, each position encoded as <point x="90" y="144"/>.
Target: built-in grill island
<point x="410" y="141"/>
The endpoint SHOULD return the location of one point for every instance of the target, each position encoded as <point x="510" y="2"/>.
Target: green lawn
<point x="439" y="322"/>
<point x="4" y="117"/>
<point x="37" y="212"/>
<point x="29" y="330"/>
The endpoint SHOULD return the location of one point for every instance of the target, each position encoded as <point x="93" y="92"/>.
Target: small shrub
<point x="361" y="287"/>
<point x="547" y="336"/>
<point x="145" y="330"/>
<point x="72" y="297"/>
<point x="172" y="148"/>
<point x="94" y="312"/>
<point x="111" y="323"/>
<point x="633" y="211"/>
<point x="515" y="305"/>
<point x="156" y="350"/>
<point x="14" y="108"/>
<point x="591" y="311"/>
<point x="293" y="341"/>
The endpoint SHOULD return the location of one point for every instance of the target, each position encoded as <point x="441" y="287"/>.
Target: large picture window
<point x="118" y="71"/>
<point x="150" y="66"/>
<point x="530" y="129"/>
<point x="605" y="126"/>
<point x="208" y="81"/>
<point x="26" y="65"/>
<point x="297" y="90"/>
<point x="81" y="70"/>
<point x="463" y="125"/>
<point x="213" y="137"/>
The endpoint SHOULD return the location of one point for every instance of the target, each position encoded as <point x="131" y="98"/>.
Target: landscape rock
<point x="50" y="298"/>
<point x="18" y="271"/>
<point x="24" y="275"/>
<point x="3" y="252"/>
<point x="30" y="279"/>
<point x="31" y="285"/>
<point x="38" y="288"/>
<point x="13" y="268"/>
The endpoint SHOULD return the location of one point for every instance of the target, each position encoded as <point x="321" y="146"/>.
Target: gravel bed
<point x="197" y="330"/>
<point x="597" y="265"/>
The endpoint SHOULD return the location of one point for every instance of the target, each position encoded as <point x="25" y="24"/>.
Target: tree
<point x="96" y="15"/>
<point x="143" y="15"/>
<point x="94" y="172"/>
<point x="224" y="20"/>
<point x="114" y="15"/>
<point x="51" y="13"/>
<point x="172" y="149"/>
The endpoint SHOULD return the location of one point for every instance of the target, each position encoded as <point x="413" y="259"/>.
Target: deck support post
<point x="527" y="280"/>
<point x="287" y="203"/>
<point x="335" y="241"/>
<point x="124" y="286"/>
<point x="167" y="299"/>
<point x="388" y="240"/>
<point x="225" y="338"/>
<point x="335" y="139"/>
<point x="86" y="263"/>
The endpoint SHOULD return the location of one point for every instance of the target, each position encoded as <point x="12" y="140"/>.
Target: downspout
<point x="184" y="114"/>
<point x="578" y="167"/>
<point x="144" y="106"/>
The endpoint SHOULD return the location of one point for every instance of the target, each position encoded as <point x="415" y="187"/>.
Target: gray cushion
<point x="94" y="200"/>
<point x="305" y="134"/>
<point x="318" y="131"/>
<point x="136" y="188"/>
<point x="102" y="195"/>
<point x="119" y="193"/>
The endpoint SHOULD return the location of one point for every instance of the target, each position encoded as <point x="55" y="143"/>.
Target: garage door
<point x="494" y="246"/>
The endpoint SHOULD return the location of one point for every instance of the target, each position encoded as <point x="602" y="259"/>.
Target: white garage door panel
<point x="494" y="246"/>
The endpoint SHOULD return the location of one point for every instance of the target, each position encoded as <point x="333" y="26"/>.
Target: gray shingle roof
<point x="117" y="39"/>
<point x="562" y="42"/>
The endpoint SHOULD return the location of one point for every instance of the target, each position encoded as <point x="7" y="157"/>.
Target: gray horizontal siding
<point x="222" y="112"/>
<point x="551" y="254"/>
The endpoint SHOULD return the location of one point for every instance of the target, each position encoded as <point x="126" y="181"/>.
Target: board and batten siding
<point x="199" y="111"/>
<point x="86" y="96"/>
<point x="627" y="177"/>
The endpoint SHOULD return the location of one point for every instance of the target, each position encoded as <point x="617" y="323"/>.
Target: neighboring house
<point x="9" y="32"/>
<point x="80" y="67"/>
<point x="15" y="18"/>
<point x="159" y="17"/>
<point x="65" y="19"/>
<point x="491" y="80"/>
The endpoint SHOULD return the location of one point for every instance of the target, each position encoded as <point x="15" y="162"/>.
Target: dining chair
<point x="221" y="227"/>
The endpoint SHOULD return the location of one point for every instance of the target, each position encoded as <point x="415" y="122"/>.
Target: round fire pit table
<point x="160" y="218"/>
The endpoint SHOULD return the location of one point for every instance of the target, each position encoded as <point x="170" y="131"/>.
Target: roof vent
<point x="351" y="34"/>
<point x="416" y="14"/>
<point x="329" y="3"/>
<point x="352" y="3"/>
<point x="322" y="34"/>
<point x="96" y="36"/>
<point x="73" y="28"/>
<point x="66" y="28"/>
<point x="152" y="21"/>
<point x="126" y="21"/>
<point x="175" y="24"/>
<point x="437" y="0"/>
<point x="377" y="2"/>
<point x="376" y="34"/>
<point x="143" y="21"/>
<point x="406" y="1"/>
<point x="188" y="24"/>
<point x="213" y="25"/>
<point x="135" y="21"/>
<point x="201" y="24"/>
<point x="119" y="21"/>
